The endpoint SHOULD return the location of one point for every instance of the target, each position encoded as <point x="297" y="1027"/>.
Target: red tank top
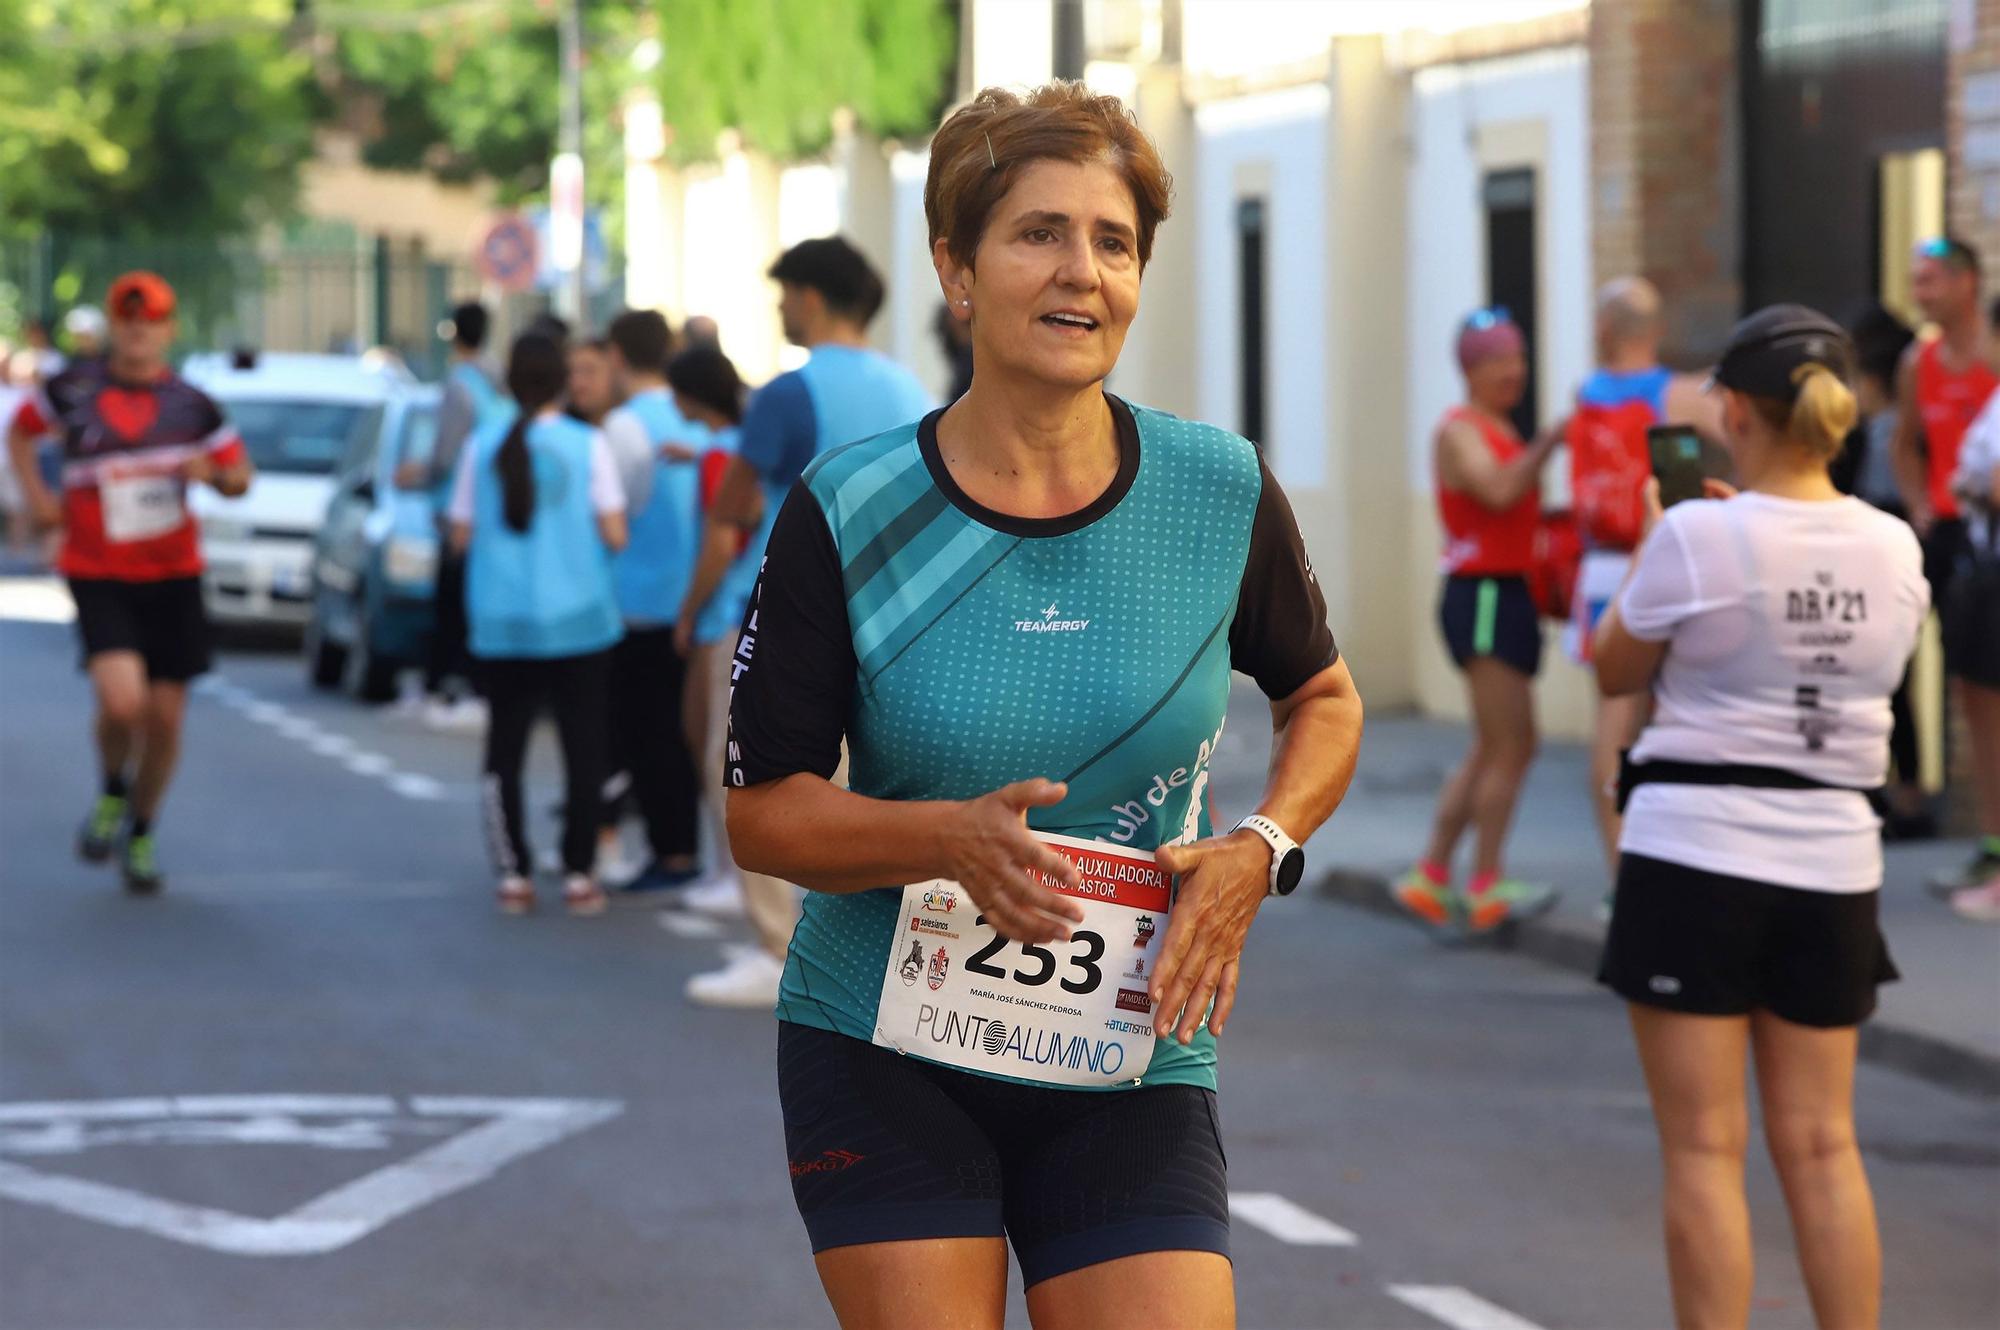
<point x="1478" y="541"/>
<point x="1948" y="400"/>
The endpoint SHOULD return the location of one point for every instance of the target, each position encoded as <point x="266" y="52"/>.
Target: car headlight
<point x="409" y="559"/>
<point x="224" y="528"/>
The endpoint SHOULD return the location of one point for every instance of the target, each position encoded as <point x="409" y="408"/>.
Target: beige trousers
<point x="771" y="904"/>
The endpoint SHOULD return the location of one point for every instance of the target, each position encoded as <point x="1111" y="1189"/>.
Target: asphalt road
<point x="321" y="1084"/>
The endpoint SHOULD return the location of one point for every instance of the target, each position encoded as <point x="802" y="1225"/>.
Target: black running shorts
<point x="1713" y="945"/>
<point x="163" y="621"/>
<point x="889" y="1148"/>
<point x="1491" y="616"/>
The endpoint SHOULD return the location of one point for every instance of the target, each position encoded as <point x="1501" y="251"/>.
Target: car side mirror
<point x="365" y="489"/>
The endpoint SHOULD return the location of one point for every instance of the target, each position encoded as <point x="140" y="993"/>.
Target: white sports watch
<point x="1288" y="861"/>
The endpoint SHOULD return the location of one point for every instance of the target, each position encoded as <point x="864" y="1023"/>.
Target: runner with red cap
<point x="133" y="435"/>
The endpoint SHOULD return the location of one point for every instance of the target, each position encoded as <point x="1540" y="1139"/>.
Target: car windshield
<point x="295" y="437"/>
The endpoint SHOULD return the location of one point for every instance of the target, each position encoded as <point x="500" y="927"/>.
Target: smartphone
<point x="1677" y="462"/>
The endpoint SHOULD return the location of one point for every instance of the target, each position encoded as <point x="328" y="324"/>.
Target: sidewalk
<point x="1940" y="1022"/>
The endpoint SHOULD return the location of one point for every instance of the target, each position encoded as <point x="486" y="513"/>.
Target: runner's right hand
<point x="48" y="513"/>
<point x="1000" y="865"/>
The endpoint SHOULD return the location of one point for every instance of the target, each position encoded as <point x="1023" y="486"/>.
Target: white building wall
<point x="1465" y="120"/>
<point x="1454" y="108"/>
<point x="1274" y="145"/>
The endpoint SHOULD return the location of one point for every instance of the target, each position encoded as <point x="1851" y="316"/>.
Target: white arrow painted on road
<point x="515" y="1127"/>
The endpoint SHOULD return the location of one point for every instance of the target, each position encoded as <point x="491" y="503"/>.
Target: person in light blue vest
<point x="829" y="294"/>
<point x="658" y="449"/>
<point x="470" y="401"/>
<point x="537" y="510"/>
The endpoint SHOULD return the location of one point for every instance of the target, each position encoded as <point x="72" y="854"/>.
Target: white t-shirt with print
<point x="1789" y="625"/>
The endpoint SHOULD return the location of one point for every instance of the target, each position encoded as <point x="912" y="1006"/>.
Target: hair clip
<point x="992" y="161"/>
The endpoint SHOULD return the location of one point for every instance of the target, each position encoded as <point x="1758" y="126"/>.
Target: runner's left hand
<point x="684" y="635"/>
<point x="1222" y="882"/>
<point x="199" y="468"/>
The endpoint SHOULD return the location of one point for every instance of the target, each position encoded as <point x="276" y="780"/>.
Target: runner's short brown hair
<point x="982" y="148"/>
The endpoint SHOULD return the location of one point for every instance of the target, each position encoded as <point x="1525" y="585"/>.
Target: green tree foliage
<point x="150" y="117"/>
<point x="778" y="69"/>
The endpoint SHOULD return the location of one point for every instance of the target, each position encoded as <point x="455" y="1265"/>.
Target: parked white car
<point x="302" y="417"/>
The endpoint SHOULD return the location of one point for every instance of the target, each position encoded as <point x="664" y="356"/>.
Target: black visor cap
<point x="1767" y="350"/>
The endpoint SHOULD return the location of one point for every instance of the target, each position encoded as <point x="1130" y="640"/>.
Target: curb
<point x="1569" y="945"/>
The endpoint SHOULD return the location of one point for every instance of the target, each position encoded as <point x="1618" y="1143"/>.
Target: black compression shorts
<point x="889" y="1148"/>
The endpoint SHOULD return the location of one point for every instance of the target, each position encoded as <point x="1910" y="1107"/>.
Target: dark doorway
<point x="1511" y="274"/>
<point x="1830" y="89"/>
<point x="1250" y="316"/>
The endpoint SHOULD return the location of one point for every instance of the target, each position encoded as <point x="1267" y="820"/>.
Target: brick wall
<point x="1664" y="153"/>
<point x="1972" y="120"/>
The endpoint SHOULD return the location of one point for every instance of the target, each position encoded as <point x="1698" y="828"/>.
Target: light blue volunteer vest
<point x="544" y="592"/>
<point x="856" y="394"/>
<point x="488" y="405"/>
<point x="653" y="570"/>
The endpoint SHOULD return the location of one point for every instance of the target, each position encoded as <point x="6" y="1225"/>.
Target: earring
<point x="966" y="303"/>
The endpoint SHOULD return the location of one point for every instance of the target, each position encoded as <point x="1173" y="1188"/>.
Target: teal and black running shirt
<point x="957" y="649"/>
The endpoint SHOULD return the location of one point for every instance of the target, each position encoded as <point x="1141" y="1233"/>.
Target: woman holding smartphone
<point x="1771" y="628"/>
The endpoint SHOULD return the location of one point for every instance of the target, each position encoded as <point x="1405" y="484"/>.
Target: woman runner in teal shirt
<point x="1020" y="615"/>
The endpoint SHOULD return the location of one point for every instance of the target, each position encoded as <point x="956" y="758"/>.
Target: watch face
<point x="1290" y="869"/>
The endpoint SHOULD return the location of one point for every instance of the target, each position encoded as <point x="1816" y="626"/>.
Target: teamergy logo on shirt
<point x="1049" y="622"/>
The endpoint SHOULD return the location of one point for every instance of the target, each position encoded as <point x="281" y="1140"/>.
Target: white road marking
<point x="688" y="925"/>
<point x="344" y="1215"/>
<point x="412" y="786"/>
<point x="328" y="744"/>
<point x="305" y="731"/>
<point x="1287" y="1221"/>
<point x="1457" y="1308"/>
<point x="35" y="600"/>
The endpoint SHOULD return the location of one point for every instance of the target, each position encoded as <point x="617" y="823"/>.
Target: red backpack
<point x="1608" y="466"/>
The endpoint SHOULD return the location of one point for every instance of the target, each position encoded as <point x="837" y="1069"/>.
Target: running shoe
<point x="749" y="980"/>
<point x="516" y="895"/>
<point x="582" y="894"/>
<point x="99" y="836"/>
<point x="1425" y="897"/>
<point x="1981" y="904"/>
<point x="1974" y="872"/>
<point x="1506" y="901"/>
<point x="142" y="866"/>
<point x="657" y="877"/>
<point x="717" y="897"/>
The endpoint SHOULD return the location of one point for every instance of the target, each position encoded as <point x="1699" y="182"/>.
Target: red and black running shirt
<point x="125" y="511"/>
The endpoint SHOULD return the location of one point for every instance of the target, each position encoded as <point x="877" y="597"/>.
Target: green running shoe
<point x="1506" y="901"/>
<point x="142" y="866"/>
<point x="99" y="836"/>
<point x="1428" y="900"/>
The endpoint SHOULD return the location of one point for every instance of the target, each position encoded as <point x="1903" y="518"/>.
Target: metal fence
<point x="327" y="288"/>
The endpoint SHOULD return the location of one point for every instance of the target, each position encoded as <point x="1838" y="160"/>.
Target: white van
<point x="300" y="416"/>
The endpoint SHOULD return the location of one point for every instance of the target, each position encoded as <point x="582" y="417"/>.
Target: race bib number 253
<point x="1064" y="1013"/>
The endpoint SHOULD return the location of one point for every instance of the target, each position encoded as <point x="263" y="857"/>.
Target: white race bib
<point x="1069" y="1013"/>
<point x="139" y="505"/>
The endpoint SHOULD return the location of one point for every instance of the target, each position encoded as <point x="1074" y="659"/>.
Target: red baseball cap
<point x="140" y="295"/>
